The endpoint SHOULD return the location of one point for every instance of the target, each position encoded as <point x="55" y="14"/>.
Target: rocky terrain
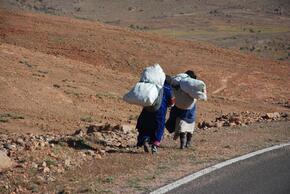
<point x="64" y="127"/>
<point x="96" y="140"/>
<point x="44" y="159"/>
<point x="257" y="27"/>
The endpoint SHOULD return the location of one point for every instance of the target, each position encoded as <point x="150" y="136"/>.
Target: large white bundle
<point x="194" y="88"/>
<point x="176" y="79"/>
<point x="142" y="94"/>
<point x="153" y="74"/>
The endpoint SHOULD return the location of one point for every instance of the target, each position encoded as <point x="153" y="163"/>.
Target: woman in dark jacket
<point x="151" y="122"/>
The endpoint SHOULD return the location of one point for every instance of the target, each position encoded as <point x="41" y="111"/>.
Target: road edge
<point x="210" y="169"/>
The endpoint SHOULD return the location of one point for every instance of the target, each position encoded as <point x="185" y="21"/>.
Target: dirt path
<point x="224" y="84"/>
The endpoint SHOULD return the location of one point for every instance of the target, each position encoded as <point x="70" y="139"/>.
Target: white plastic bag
<point x="194" y="88"/>
<point x="176" y="79"/>
<point x="154" y="75"/>
<point x="142" y="94"/>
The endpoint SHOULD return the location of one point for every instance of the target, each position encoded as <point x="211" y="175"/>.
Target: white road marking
<point x="208" y="170"/>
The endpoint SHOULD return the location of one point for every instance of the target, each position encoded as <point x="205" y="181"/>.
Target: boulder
<point x="235" y="119"/>
<point x="219" y="124"/>
<point x="5" y="161"/>
<point x="272" y="115"/>
<point x="127" y="128"/>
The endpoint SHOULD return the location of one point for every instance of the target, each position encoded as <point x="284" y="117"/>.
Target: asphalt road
<point x="268" y="173"/>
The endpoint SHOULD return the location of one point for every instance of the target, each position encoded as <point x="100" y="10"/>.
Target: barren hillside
<point x="65" y="69"/>
<point x="258" y="27"/>
<point x="64" y="124"/>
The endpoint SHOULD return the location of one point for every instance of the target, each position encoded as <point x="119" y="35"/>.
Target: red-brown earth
<point x="60" y="74"/>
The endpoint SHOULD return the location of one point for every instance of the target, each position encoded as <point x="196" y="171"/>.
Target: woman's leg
<point x="182" y="140"/>
<point x="188" y="139"/>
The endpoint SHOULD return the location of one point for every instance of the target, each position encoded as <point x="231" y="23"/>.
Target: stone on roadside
<point x="46" y="170"/>
<point x="232" y="124"/>
<point x="9" y="146"/>
<point x="226" y="124"/>
<point x="67" y="163"/>
<point x="60" y="170"/>
<point x="90" y="152"/>
<point x="219" y="124"/>
<point x="42" y="144"/>
<point x="235" y="119"/>
<point x="205" y="125"/>
<point x="34" y="165"/>
<point x="127" y="128"/>
<point x="20" y="141"/>
<point x="44" y="164"/>
<point x="4" y="137"/>
<point x="98" y="156"/>
<point x="272" y="115"/>
<point x="5" y="162"/>
<point x="284" y="115"/>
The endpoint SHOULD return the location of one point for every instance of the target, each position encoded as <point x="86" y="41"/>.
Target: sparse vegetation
<point x="74" y="93"/>
<point x="87" y="119"/>
<point x="227" y="146"/>
<point x="50" y="162"/>
<point x="135" y="183"/>
<point x="38" y="75"/>
<point x="137" y="27"/>
<point x="3" y="189"/>
<point x="25" y="63"/>
<point x="43" y="72"/>
<point x="107" y="95"/>
<point x="56" y="86"/>
<point x="93" y="64"/>
<point x="109" y="180"/>
<point x="133" y="117"/>
<point x="4" y="118"/>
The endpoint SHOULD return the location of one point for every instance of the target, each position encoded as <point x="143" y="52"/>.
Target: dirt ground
<point x="61" y="74"/>
<point x="71" y="171"/>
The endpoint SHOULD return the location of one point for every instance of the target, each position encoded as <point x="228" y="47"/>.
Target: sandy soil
<point x="59" y="74"/>
<point x="59" y="70"/>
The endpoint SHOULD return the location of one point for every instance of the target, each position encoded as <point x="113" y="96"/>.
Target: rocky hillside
<point x="67" y="72"/>
<point x="258" y="27"/>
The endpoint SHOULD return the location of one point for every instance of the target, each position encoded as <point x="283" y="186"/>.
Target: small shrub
<point x="109" y="179"/>
<point x="87" y="119"/>
<point x="3" y="120"/>
<point x="135" y="183"/>
<point x="50" y="162"/>
<point x="56" y="85"/>
<point x="26" y="63"/>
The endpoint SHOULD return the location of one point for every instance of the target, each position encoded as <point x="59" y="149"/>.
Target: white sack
<point x="176" y="79"/>
<point x="142" y="94"/>
<point x="154" y="75"/>
<point x="194" y="88"/>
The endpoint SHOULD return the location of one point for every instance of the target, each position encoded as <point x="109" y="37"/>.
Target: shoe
<point x="176" y="135"/>
<point x="188" y="140"/>
<point x="182" y="140"/>
<point x="154" y="149"/>
<point x="146" y="146"/>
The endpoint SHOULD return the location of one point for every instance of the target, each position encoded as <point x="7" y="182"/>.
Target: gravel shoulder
<point x="59" y="167"/>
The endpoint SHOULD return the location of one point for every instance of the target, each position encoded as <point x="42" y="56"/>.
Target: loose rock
<point x="5" y="162"/>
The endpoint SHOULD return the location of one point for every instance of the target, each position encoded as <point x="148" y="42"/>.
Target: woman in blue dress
<point x="182" y="115"/>
<point x="151" y="122"/>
